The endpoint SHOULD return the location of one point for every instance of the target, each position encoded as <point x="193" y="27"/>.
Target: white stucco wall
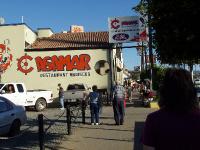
<point x="18" y="34"/>
<point x="44" y="32"/>
<point x="15" y="35"/>
<point x="37" y="80"/>
<point x="29" y="35"/>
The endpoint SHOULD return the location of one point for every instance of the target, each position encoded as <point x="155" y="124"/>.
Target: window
<point x="20" y="88"/>
<point x="1" y="85"/>
<point x="76" y="86"/>
<point x="81" y="87"/>
<point x="5" y="88"/>
<point x="71" y="87"/>
<point x="9" y="88"/>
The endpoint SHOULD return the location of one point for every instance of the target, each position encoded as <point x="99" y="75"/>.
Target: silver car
<point x="11" y="117"/>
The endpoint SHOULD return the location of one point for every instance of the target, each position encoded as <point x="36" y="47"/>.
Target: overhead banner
<point x="126" y="29"/>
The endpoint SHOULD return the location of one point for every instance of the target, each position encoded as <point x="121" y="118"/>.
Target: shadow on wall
<point x="137" y="135"/>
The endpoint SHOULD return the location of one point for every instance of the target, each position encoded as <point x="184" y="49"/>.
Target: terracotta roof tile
<point x="83" y="40"/>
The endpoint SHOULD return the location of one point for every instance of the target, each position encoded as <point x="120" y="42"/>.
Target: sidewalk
<point x="108" y="136"/>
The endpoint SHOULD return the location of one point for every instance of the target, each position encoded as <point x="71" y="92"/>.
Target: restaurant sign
<point x="126" y="29"/>
<point x="54" y="63"/>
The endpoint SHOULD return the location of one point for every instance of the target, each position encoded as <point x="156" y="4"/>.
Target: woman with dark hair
<point x="176" y="126"/>
<point x="11" y="88"/>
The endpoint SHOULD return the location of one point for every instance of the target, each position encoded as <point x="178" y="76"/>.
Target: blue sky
<point x="60" y="14"/>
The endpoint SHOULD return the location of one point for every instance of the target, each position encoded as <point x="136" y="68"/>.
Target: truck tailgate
<point x="73" y="94"/>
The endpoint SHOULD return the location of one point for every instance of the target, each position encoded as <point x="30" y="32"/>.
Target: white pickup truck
<point x="17" y="93"/>
<point x="76" y="92"/>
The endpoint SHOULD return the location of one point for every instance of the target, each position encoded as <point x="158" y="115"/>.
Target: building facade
<point x="41" y="59"/>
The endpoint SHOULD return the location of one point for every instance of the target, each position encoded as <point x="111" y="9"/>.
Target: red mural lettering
<point x="49" y="65"/>
<point x="61" y="63"/>
<point x="74" y="64"/>
<point x="84" y="59"/>
<point x="40" y="64"/>
<point x="67" y="62"/>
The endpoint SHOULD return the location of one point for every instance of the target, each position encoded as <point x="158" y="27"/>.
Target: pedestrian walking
<point x="95" y="101"/>
<point x="61" y="96"/>
<point x="129" y="92"/>
<point x="118" y="103"/>
<point x="176" y="126"/>
<point x="100" y="103"/>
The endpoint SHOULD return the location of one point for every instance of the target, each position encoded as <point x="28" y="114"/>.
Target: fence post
<point x="68" y="119"/>
<point x="41" y="131"/>
<point x="83" y="111"/>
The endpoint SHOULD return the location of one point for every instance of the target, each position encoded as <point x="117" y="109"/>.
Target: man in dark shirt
<point x="61" y="96"/>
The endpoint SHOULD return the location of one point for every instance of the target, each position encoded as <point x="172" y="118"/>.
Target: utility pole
<point x="142" y="57"/>
<point x="150" y="45"/>
<point x="145" y="56"/>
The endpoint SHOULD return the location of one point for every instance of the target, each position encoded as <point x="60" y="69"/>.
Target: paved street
<point x="28" y="138"/>
<point x="106" y="136"/>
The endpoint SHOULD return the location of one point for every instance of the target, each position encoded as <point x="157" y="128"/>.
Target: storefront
<point x="43" y="60"/>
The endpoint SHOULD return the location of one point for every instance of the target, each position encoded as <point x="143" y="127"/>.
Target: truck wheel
<point x="40" y="104"/>
<point x="15" y="128"/>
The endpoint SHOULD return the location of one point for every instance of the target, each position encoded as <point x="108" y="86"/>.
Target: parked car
<point x="197" y="83"/>
<point x="198" y="93"/>
<point x="18" y="94"/>
<point x="197" y="87"/>
<point x="11" y="117"/>
<point x="76" y="92"/>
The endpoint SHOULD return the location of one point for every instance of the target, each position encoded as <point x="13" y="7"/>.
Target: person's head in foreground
<point x="177" y="92"/>
<point x="176" y="125"/>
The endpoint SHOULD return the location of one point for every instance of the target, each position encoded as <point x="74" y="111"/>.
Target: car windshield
<point x="1" y="85"/>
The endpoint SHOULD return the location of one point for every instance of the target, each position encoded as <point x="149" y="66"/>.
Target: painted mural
<point x="5" y="57"/>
